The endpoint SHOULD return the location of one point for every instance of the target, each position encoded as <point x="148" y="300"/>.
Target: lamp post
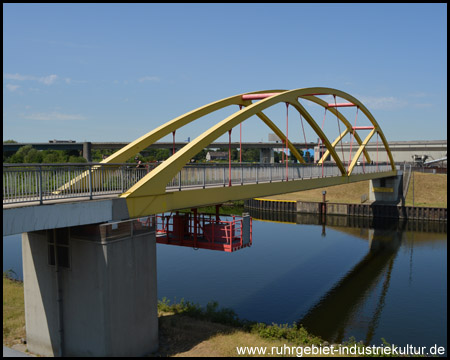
<point x="324" y="209"/>
<point x="324" y="193"/>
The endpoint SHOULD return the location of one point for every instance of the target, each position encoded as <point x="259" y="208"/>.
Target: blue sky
<point x="113" y="72"/>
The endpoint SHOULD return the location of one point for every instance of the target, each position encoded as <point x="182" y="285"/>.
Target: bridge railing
<point x="207" y="175"/>
<point x="39" y="182"/>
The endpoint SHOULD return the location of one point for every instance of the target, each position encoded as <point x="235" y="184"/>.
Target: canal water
<point x="340" y="277"/>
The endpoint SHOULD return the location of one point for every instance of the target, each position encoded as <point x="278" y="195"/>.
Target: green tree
<point x="162" y="154"/>
<point x="76" y="159"/>
<point x="250" y="155"/>
<point x="33" y="156"/>
<point x="276" y="157"/>
<point x="54" y="156"/>
<point x="50" y="158"/>
<point x="97" y="155"/>
<point x="19" y="156"/>
<point x="294" y="159"/>
<point x="15" y="159"/>
<point x="234" y="155"/>
<point x="201" y="156"/>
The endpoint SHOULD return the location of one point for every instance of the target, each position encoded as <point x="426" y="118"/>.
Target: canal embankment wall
<point x="365" y="210"/>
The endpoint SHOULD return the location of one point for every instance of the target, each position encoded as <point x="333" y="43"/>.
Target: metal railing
<point x="39" y="182"/>
<point x="207" y="175"/>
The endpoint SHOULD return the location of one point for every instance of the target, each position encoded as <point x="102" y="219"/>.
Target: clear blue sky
<point x="113" y="72"/>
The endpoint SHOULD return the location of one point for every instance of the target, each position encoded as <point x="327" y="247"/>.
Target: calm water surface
<point x="349" y="277"/>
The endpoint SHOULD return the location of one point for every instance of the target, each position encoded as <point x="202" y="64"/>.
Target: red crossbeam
<point x="341" y="105"/>
<point x="314" y="94"/>
<point x="363" y="127"/>
<point x="258" y="96"/>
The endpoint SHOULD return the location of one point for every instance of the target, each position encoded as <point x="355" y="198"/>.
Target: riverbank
<point x="185" y="329"/>
<point x="13" y="312"/>
<point x="426" y="199"/>
<point x="371" y="210"/>
<point x="430" y="190"/>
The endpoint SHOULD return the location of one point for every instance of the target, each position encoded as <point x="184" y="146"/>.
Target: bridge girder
<point x="176" y="200"/>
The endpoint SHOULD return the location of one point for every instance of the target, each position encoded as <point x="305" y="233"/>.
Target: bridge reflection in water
<point x="367" y="283"/>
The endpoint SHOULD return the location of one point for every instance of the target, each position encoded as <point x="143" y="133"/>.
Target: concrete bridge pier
<point x="97" y="296"/>
<point x="266" y="156"/>
<point x="87" y="151"/>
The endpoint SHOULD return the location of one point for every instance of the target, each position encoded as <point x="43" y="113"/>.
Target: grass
<point x="185" y="336"/>
<point x="345" y="193"/>
<point x="13" y="312"/>
<point x="186" y="329"/>
<point x="429" y="190"/>
<point x="295" y="333"/>
<point x="219" y="332"/>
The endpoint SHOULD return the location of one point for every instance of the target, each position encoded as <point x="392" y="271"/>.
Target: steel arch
<point x="151" y="137"/>
<point x="155" y="182"/>
<point x="342" y="118"/>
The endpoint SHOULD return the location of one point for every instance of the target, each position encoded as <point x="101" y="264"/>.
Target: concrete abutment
<point x="387" y="190"/>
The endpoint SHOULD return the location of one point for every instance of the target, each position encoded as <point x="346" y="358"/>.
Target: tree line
<point x="28" y="155"/>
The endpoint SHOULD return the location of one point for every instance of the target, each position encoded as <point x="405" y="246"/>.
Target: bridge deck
<point x="44" y="184"/>
<point x="54" y="208"/>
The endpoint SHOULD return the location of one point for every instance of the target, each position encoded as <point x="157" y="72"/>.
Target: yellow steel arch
<point x="376" y="129"/>
<point x="151" y="137"/>
<point x="146" y="140"/>
<point x="333" y="144"/>
<point x="342" y="118"/>
<point x="154" y="183"/>
<point x="280" y="134"/>
<point x="294" y="102"/>
<point x="359" y="151"/>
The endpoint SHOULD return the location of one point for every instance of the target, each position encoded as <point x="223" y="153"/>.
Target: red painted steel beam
<point x="363" y="127"/>
<point x="258" y="96"/>
<point x="341" y="105"/>
<point x="315" y="94"/>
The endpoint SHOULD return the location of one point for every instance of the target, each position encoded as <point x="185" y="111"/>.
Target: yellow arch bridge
<point x="149" y="195"/>
<point x="159" y="190"/>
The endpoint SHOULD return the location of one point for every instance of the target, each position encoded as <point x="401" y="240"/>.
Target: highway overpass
<point x="402" y="151"/>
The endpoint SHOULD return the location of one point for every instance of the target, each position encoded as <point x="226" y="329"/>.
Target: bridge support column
<point x="97" y="296"/>
<point x="266" y="156"/>
<point x="87" y="154"/>
<point x="387" y="190"/>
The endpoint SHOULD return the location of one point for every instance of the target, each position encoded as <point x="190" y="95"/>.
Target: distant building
<point x="273" y="137"/>
<point x="216" y="155"/>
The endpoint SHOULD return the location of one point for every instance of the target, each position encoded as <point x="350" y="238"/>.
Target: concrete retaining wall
<point x="350" y="221"/>
<point x="369" y="210"/>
